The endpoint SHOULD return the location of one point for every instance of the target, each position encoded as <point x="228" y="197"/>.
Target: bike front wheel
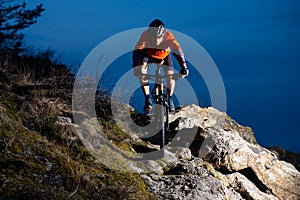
<point x="160" y="124"/>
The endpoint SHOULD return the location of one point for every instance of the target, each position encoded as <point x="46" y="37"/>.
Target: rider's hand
<point x="184" y="72"/>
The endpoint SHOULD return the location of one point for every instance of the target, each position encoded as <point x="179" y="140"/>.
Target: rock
<point x="193" y="116"/>
<point x="63" y="120"/>
<point x="48" y="165"/>
<point x="49" y="179"/>
<point x="291" y="157"/>
<point x="231" y="165"/>
<point x="189" y="181"/>
<point x="246" y="188"/>
<point x="233" y="154"/>
<point x="181" y="153"/>
<point x="185" y="154"/>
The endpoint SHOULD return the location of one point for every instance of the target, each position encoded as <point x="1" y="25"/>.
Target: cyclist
<point x="154" y="46"/>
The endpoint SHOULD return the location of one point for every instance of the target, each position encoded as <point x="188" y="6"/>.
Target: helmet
<point x="156" y="28"/>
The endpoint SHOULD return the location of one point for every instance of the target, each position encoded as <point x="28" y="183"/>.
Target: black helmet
<point x="157" y="28"/>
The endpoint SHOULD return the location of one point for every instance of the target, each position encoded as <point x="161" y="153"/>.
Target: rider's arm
<point x="179" y="56"/>
<point x="176" y="49"/>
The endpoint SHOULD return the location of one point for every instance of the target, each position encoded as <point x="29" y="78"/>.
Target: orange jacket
<point x="148" y="45"/>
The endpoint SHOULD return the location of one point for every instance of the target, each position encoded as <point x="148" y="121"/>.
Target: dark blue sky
<point x="255" y="45"/>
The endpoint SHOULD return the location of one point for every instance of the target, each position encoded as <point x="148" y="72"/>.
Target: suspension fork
<point x="159" y="87"/>
<point x="162" y="96"/>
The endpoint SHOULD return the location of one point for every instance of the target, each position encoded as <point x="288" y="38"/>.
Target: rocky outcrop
<point x="222" y="161"/>
<point x="227" y="163"/>
<point x="232" y="154"/>
<point x="291" y="157"/>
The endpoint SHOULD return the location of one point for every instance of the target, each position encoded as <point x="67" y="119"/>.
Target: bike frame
<point x="161" y="108"/>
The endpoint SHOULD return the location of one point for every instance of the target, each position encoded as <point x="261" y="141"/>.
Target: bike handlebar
<point x="175" y="76"/>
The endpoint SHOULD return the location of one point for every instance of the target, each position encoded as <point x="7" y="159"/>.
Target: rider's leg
<point x="170" y="90"/>
<point x="170" y="82"/>
<point x="168" y="68"/>
<point x="143" y="69"/>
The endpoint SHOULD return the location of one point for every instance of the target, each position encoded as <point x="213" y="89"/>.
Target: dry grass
<point x="41" y="159"/>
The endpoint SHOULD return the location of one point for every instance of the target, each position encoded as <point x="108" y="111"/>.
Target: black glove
<point x="184" y="71"/>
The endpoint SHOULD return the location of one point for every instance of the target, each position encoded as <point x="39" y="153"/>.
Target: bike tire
<point x="167" y="125"/>
<point x="160" y="124"/>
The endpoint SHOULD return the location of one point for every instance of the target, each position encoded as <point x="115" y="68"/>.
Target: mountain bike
<point x="161" y="107"/>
